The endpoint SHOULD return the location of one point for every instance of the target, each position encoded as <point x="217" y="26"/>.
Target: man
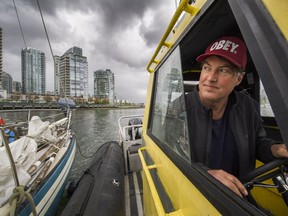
<point x="225" y="126"/>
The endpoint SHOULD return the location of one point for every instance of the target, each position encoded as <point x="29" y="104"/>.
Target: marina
<point x="36" y="158"/>
<point x="92" y="128"/>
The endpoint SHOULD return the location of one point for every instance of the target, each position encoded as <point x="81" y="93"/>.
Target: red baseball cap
<point x="231" y="48"/>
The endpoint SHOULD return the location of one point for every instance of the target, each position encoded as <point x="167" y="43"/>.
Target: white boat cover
<point x="24" y="154"/>
<point x="37" y="127"/>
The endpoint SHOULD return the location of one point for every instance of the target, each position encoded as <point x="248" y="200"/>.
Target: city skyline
<point x="120" y="35"/>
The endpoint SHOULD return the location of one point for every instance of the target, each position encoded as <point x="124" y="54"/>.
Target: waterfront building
<point x="16" y="87"/>
<point x="56" y="75"/>
<point x="71" y="74"/>
<point x="7" y="82"/>
<point x="33" y="68"/>
<point x="104" y="85"/>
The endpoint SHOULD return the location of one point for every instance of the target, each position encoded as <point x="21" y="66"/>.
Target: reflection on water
<point x="94" y="127"/>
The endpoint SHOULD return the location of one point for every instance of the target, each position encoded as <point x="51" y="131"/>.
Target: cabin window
<point x="265" y="107"/>
<point x="169" y="119"/>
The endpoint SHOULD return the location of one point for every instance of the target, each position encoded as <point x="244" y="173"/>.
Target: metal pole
<point x="11" y="160"/>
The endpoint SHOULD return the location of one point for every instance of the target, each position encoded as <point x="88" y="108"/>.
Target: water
<point x="94" y="127"/>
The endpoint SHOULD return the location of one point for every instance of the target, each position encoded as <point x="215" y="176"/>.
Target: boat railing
<point x="20" y="131"/>
<point x="29" y="117"/>
<point x="123" y="130"/>
<point x="152" y="187"/>
<point x="47" y="140"/>
<point x="183" y="7"/>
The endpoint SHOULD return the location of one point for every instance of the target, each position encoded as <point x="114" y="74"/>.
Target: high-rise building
<point x="56" y="75"/>
<point x="16" y="87"/>
<point x="7" y="82"/>
<point x="1" y="60"/>
<point x="71" y="74"/>
<point x="104" y="85"/>
<point x="33" y="68"/>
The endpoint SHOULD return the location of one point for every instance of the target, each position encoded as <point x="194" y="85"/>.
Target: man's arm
<point x="279" y="151"/>
<point x="230" y="181"/>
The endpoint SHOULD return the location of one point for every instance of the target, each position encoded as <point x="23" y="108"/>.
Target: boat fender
<point x="100" y="190"/>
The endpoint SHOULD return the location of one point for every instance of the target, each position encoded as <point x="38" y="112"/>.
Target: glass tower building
<point x="7" y="82"/>
<point x="71" y="74"/>
<point x="16" y="87"/>
<point x="33" y="69"/>
<point x="104" y="85"/>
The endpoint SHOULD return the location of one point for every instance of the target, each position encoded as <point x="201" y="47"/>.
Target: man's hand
<point x="279" y="151"/>
<point x="230" y="181"/>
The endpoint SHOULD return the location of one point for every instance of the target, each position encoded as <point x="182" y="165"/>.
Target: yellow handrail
<point x="158" y="204"/>
<point x="183" y="6"/>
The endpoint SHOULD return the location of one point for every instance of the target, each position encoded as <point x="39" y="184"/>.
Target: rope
<point x="18" y="197"/>
<point x="87" y="157"/>
<point x="20" y="24"/>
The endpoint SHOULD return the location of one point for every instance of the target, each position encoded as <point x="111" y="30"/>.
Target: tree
<point x="47" y="98"/>
<point x="91" y="100"/>
<point x="16" y="96"/>
<point x="97" y="100"/>
<point x="105" y="101"/>
<point x="35" y="97"/>
<point x="29" y="97"/>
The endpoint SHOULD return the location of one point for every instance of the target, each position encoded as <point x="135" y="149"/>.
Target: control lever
<point x="281" y="182"/>
<point x="251" y="184"/>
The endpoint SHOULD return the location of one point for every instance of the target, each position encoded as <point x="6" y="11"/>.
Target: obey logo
<point x="225" y="45"/>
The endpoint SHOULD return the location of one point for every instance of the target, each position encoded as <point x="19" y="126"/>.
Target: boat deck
<point x="133" y="194"/>
<point x="132" y="179"/>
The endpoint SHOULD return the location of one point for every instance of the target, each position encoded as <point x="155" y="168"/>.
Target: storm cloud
<point x="120" y="35"/>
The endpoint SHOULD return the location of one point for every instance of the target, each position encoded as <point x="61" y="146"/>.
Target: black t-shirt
<point x="223" y="152"/>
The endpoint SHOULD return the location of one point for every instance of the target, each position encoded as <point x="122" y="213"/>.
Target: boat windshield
<point x="169" y="120"/>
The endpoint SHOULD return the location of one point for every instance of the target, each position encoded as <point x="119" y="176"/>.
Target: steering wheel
<point x="260" y="171"/>
<point x="265" y="172"/>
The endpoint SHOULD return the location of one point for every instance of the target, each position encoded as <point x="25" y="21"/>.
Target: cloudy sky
<point x="120" y="35"/>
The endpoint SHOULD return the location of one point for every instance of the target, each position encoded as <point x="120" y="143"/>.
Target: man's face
<point x="217" y="80"/>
